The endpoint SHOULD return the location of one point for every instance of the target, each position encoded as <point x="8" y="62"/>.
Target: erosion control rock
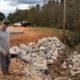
<point x="48" y="59"/>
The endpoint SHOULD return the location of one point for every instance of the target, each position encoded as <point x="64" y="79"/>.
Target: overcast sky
<point x="7" y="6"/>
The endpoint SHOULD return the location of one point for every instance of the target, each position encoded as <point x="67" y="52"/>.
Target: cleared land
<point x="31" y="34"/>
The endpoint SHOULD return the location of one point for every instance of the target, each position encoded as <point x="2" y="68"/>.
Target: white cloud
<point x="8" y="6"/>
<point x="4" y="7"/>
<point x="23" y="6"/>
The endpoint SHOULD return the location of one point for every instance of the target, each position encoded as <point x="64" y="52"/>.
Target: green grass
<point x="58" y="32"/>
<point x="54" y="31"/>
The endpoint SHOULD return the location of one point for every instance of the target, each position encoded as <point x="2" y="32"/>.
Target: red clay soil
<point x="29" y="35"/>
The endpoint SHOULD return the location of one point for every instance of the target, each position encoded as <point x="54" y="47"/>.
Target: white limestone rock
<point x="53" y="46"/>
<point x="25" y="48"/>
<point x="42" y="48"/>
<point x="53" y="57"/>
<point x="75" y="63"/>
<point x="64" y="65"/>
<point x="50" y="61"/>
<point x="42" y="54"/>
<point x="39" y="62"/>
<point x="49" y="54"/>
<point x="15" y="50"/>
<point x="49" y="77"/>
<point x="21" y="54"/>
<point x="44" y="39"/>
<point x="27" y="58"/>
<point x="55" y="53"/>
<point x="62" y="78"/>
<point x="36" y="49"/>
<point x="73" y="72"/>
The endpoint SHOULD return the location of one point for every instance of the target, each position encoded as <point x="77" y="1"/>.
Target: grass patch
<point x="54" y="31"/>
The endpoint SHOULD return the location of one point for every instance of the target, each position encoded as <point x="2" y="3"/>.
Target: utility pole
<point x="64" y="19"/>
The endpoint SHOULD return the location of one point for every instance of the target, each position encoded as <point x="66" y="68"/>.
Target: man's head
<point x="5" y="24"/>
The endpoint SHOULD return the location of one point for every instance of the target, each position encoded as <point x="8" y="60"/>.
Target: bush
<point x="72" y="38"/>
<point x="78" y="48"/>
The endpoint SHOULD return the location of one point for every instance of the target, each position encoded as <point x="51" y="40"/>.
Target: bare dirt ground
<point x="29" y="34"/>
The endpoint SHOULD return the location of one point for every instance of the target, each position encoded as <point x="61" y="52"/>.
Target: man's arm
<point x="1" y="50"/>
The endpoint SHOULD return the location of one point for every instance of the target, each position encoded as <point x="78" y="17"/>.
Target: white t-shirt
<point x="4" y="40"/>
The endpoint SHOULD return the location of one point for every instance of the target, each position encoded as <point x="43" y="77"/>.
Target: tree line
<point x="51" y="14"/>
<point x="2" y="16"/>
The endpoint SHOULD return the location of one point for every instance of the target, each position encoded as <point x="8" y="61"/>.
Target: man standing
<point x="4" y="47"/>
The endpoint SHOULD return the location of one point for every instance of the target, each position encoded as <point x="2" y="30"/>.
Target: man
<point x="4" y="47"/>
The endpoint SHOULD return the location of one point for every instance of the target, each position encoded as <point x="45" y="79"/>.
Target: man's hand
<point x="4" y="53"/>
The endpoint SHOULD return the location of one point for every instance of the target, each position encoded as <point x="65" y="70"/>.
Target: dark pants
<point x="4" y="61"/>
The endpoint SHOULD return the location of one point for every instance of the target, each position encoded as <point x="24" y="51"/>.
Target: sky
<point x="9" y="6"/>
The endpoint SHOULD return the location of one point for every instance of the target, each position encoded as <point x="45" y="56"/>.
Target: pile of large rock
<point x="74" y="65"/>
<point x="44" y="52"/>
<point x="47" y="51"/>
